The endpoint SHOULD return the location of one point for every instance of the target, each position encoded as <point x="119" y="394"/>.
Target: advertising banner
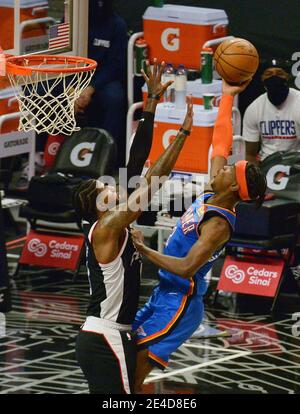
<point x="49" y="250"/>
<point x="254" y="277"/>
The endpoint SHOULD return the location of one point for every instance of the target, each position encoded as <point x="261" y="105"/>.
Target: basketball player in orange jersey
<point x="106" y="348"/>
<point x="175" y="309"/>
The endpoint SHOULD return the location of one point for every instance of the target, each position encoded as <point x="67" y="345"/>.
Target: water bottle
<point x="2" y="63"/>
<point x="207" y="65"/>
<point x="169" y="95"/>
<point x="180" y="87"/>
<point x="140" y="56"/>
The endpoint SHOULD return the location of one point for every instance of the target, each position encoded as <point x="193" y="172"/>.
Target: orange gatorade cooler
<point x="177" y="33"/>
<point x="29" y="10"/>
<point x="197" y="89"/>
<point x="8" y="105"/>
<point x="194" y="155"/>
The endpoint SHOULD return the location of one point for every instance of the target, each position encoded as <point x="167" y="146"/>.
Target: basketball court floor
<point x="237" y="353"/>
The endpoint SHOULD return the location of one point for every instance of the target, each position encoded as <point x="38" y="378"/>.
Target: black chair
<point x="273" y="226"/>
<point x="88" y="153"/>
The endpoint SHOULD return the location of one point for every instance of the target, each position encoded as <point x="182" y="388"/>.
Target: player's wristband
<point x="153" y="96"/>
<point x="185" y="132"/>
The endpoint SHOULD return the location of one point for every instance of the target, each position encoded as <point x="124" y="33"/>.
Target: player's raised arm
<point x="128" y="212"/>
<point x="142" y="141"/>
<point x="223" y="132"/>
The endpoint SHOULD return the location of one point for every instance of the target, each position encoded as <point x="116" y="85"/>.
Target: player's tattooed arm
<point x="214" y="234"/>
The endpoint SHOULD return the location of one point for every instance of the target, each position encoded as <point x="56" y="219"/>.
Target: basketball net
<point x="46" y="88"/>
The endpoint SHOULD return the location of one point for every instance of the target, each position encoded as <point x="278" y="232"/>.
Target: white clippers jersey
<point x="114" y="287"/>
<point x="278" y="129"/>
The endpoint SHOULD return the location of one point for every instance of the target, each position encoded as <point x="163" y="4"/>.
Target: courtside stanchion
<point x="5" y="297"/>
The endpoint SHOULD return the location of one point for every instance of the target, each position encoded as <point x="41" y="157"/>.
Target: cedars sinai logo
<point x="53" y="148"/>
<point x="235" y="274"/>
<point x="38" y="248"/>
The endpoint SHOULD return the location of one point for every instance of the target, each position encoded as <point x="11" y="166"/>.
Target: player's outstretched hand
<point x="153" y="78"/>
<point x="233" y="90"/>
<point x="138" y="239"/>
<point x="188" y="121"/>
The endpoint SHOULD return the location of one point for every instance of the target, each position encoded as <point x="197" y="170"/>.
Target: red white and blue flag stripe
<point x="59" y="35"/>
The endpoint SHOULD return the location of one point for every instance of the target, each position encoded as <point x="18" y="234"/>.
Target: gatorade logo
<point x="37" y="247"/>
<point x="82" y="154"/>
<point x="278" y="177"/>
<point x="171" y="133"/>
<point x="170" y="39"/>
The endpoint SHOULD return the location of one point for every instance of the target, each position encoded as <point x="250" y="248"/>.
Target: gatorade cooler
<point x="4" y="82"/>
<point x="194" y="155"/>
<point x="35" y="33"/>
<point x="177" y="33"/>
<point x="197" y="89"/>
<point x="8" y="105"/>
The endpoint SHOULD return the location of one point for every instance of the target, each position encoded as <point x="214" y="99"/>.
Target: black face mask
<point x="277" y="89"/>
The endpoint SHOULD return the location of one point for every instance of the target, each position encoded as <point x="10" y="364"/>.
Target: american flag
<point x="59" y="35"/>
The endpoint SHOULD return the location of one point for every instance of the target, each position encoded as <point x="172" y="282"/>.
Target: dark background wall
<point x="273" y="26"/>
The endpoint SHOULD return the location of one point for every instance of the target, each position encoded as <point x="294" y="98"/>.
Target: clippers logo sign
<point x="47" y="250"/>
<point x="259" y="277"/>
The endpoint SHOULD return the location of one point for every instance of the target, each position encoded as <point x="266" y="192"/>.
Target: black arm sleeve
<point x="141" y="146"/>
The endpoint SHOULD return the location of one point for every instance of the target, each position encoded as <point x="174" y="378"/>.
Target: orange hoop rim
<point x="15" y="64"/>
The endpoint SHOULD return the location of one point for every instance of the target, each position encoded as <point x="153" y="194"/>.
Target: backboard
<point x="44" y="26"/>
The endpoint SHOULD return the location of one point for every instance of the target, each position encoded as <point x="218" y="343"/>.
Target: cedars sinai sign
<point x="47" y="250"/>
<point x="259" y="277"/>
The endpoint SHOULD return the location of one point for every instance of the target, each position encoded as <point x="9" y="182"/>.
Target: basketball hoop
<point x="47" y="87"/>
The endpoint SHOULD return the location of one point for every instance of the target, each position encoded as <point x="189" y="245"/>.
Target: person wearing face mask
<point x="272" y="122"/>
<point x="103" y="103"/>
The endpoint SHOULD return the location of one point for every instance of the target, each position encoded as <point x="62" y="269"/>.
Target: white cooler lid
<point x="202" y="117"/>
<point x="197" y="88"/>
<point x="186" y="14"/>
<point x="24" y="3"/>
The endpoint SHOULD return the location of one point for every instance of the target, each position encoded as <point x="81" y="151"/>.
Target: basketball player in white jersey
<point x="106" y="349"/>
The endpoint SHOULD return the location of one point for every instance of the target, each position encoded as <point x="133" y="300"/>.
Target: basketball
<point x="236" y="60"/>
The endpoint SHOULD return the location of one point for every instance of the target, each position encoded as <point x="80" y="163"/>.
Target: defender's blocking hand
<point x="188" y="122"/>
<point x="153" y="78"/>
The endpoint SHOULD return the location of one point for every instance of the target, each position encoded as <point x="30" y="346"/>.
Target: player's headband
<point x="240" y="172"/>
